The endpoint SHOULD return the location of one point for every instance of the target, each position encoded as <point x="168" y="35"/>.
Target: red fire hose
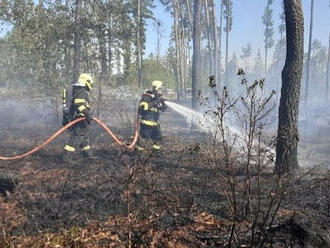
<point x="51" y="138"/>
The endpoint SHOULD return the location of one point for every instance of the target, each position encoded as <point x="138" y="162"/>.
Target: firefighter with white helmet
<point x="150" y="107"/>
<point x="76" y="105"/>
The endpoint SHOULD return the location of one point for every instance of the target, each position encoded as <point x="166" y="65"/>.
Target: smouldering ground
<point x="175" y="198"/>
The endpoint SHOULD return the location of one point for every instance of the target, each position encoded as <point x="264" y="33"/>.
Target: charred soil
<point x="180" y="197"/>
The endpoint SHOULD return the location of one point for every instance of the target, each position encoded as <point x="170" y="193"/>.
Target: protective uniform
<point x="76" y="105"/>
<point x="150" y="107"/>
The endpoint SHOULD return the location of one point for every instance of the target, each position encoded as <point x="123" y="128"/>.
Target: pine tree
<point x="228" y="10"/>
<point x="287" y="136"/>
<point x="328" y="72"/>
<point x="181" y="36"/>
<point x="281" y="27"/>
<point x="268" y="33"/>
<point x="77" y="39"/>
<point x="309" y="52"/>
<point x="220" y="45"/>
<point x="246" y="54"/>
<point x="141" y="11"/>
<point x="159" y="27"/>
<point x="196" y="52"/>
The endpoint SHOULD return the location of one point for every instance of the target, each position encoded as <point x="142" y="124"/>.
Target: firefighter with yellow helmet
<point x="150" y="107"/>
<point x="76" y="105"/>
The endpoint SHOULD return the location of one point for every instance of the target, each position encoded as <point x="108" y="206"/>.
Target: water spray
<point x="206" y="123"/>
<point x="191" y="116"/>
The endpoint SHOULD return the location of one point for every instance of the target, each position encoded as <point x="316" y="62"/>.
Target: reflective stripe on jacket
<point x="149" y="123"/>
<point x="148" y="108"/>
<point x="79" y="102"/>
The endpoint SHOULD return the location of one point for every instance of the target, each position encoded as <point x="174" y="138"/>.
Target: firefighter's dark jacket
<point x="150" y="107"/>
<point x="78" y="103"/>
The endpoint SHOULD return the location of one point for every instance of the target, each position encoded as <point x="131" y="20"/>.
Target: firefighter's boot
<point x="68" y="153"/>
<point x="86" y="152"/>
<point x="141" y="144"/>
<point x="156" y="147"/>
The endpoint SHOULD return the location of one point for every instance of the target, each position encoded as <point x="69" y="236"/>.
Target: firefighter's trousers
<point x="151" y="136"/>
<point x="79" y="138"/>
<point x="150" y="132"/>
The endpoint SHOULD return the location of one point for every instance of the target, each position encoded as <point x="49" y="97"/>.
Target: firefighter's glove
<point x="158" y="103"/>
<point x="162" y="105"/>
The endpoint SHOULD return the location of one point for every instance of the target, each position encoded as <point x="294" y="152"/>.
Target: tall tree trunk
<point x="184" y="86"/>
<point x="187" y="51"/>
<point x="127" y="59"/>
<point x="287" y="137"/>
<point x="310" y="39"/>
<point x="220" y="43"/>
<point x="109" y="40"/>
<point x="266" y="51"/>
<point x="209" y="36"/>
<point x="67" y="59"/>
<point x="118" y="58"/>
<point x="138" y="44"/>
<point x="227" y="41"/>
<point x="328" y="71"/>
<point x="189" y="14"/>
<point x="67" y="54"/>
<point x="77" y="41"/>
<point x="196" y="53"/>
<point x="103" y="54"/>
<point x="215" y="40"/>
<point x="181" y="65"/>
<point x="86" y="58"/>
<point x="158" y="41"/>
<point x="177" y="48"/>
<point x="99" y="99"/>
<point x="277" y="70"/>
<point x="103" y="57"/>
<point x="182" y="62"/>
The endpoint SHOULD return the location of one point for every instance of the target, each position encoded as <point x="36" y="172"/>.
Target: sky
<point x="247" y="25"/>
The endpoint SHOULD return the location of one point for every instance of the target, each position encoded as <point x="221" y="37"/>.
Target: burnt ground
<point x="181" y="197"/>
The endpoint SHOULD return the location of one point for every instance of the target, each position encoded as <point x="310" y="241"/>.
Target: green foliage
<point x="146" y="13"/>
<point x="268" y="22"/>
<point x="281" y="27"/>
<point x="157" y="71"/>
<point x="38" y="51"/>
<point x="228" y="12"/>
<point x="246" y="51"/>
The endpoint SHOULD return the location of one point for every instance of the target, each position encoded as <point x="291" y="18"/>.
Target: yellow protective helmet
<point x="157" y="84"/>
<point x="86" y="79"/>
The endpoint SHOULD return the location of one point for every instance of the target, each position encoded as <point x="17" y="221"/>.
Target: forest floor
<point x="180" y="197"/>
